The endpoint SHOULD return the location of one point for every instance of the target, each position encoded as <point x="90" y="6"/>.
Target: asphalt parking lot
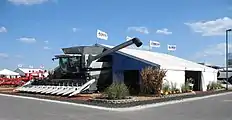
<point x="214" y="108"/>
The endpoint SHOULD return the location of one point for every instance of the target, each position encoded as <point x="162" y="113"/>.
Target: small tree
<point x="152" y="80"/>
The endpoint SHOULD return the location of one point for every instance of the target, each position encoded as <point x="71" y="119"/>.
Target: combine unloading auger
<point x="80" y="70"/>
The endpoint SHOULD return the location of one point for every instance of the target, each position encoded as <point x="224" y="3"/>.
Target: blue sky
<point x="32" y="31"/>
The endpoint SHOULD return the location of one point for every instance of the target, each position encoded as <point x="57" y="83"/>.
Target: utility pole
<point x="227" y="32"/>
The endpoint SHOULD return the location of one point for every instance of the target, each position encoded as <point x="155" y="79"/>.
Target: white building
<point x="178" y="69"/>
<point x="30" y="71"/>
<point x="9" y="74"/>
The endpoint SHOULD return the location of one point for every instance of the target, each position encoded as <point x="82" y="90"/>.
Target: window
<point x="70" y="63"/>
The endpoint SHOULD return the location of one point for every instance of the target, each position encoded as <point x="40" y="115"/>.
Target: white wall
<point x="177" y="77"/>
<point x="208" y="77"/>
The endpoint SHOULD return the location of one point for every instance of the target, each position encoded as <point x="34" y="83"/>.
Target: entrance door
<point x="196" y="75"/>
<point x="131" y="80"/>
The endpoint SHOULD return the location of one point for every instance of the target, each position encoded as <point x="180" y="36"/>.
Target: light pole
<point x="227" y="32"/>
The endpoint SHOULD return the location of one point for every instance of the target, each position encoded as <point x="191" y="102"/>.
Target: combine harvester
<point x="81" y="69"/>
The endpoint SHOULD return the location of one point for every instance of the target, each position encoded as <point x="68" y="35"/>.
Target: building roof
<point x="8" y="72"/>
<point x="165" y="61"/>
<point x="29" y="70"/>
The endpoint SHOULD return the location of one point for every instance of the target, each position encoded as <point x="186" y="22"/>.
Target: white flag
<point x="128" y="38"/>
<point x="102" y="35"/>
<point x="41" y="66"/>
<point x="154" y="44"/>
<point x="20" y="65"/>
<point x="30" y="66"/>
<point x="171" y="47"/>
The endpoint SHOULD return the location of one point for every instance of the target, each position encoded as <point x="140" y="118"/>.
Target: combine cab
<point x="81" y="69"/>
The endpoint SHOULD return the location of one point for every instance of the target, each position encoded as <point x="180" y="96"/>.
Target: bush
<point x="116" y="91"/>
<point x="152" y="80"/>
<point x="214" y="86"/>
<point x="185" y="88"/>
<point x="219" y="85"/>
<point x="165" y="88"/>
<point x="173" y="87"/>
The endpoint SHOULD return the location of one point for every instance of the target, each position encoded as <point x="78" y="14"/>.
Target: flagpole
<point x="97" y="37"/>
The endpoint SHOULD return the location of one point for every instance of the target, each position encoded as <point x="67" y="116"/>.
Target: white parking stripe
<point x="227" y="100"/>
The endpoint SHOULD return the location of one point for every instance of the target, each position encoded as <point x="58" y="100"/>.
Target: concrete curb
<point x="134" y="108"/>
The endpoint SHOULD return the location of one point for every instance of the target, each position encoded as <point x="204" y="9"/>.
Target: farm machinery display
<point x="81" y="69"/>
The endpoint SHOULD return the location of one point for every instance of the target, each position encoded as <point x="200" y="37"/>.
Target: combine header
<point x="81" y="69"/>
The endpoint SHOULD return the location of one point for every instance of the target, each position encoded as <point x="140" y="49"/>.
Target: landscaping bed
<point x="134" y="101"/>
<point x="118" y="95"/>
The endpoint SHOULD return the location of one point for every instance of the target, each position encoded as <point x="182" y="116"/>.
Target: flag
<point x="20" y="65"/>
<point x="102" y="35"/>
<point x="41" y="66"/>
<point x="171" y="47"/>
<point x="30" y="66"/>
<point x="154" y="44"/>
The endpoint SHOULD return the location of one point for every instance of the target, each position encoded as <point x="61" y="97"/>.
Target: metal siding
<point x="121" y="63"/>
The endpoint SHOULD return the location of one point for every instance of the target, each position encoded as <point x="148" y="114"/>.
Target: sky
<point x="33" y="31"/>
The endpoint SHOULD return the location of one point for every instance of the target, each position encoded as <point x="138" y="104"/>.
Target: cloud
<point x="3" y="29"/>
<point x="214" y="50"/>
<point x="27" y="40"/>
<point x="75" y="29"/>
<point x="142" y="29"/>
<point x="4" y="55"/>
<point x="211" y="28"/>
<point x="27" y="2"/>
<point x="214" y="54"/>
<point x="46" y="48"/>
<point x="46" y="42"/>
<point x="164" y="31"/>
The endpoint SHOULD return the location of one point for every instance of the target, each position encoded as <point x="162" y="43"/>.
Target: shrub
<point x="173" y="88"/>
<point x="152" y="80"/>
<point x="214" y="86"/>
<point x="190" y="80"/>
<point x="116" y="91"/>
<point x="219" y="85"/>
<point x="189" y="83"/>
<point x="185" y="88"/>
<point x="165" y="88"/>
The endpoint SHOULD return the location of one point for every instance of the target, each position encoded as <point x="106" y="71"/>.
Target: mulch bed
<point x="87" y="99"/>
